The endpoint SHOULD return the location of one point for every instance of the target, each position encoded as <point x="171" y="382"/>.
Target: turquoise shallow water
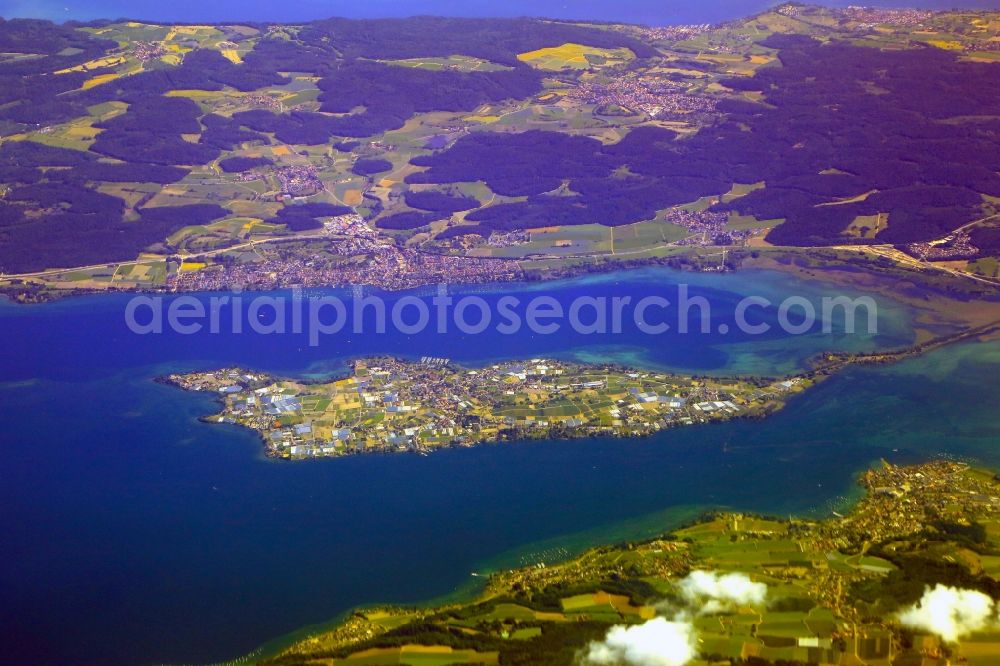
<point x="136" y="534"/>
<point x="80" y="337"/>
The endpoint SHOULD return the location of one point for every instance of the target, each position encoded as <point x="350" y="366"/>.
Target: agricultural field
<point x="285" y="152"/>
<point x="804" y="587"/>
<point x="387" y="404"/>
<point x="458" y="63"/>
<point x="987" y="266"/>
<point x="867" y="226"/>
<point x="78" y="134"/>
<point x="575" y="56"/>
<point x="645" y="236"/>
<point x="417" y="655"/>
<point x="561" y="241"/>
<point x="737" y="222"/>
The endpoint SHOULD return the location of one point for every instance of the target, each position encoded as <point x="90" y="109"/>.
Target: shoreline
<point x="939" y="304"/>
<point x="937" y="299"/>
<point x="873" y="505"/>
<point x="820" y="367"/>
<point x="780" y="390"/>
<point x="26" y="295"/>
<point x="941" y="299"/>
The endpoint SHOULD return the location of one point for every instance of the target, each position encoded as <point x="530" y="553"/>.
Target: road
<point x="887" y="251"/>
<point x="208" y="253"/>
<point x="901" y="258"/>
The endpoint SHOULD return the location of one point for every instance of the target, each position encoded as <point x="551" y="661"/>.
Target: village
<point x="902" y="501"/>
<point x="390" y="405"/>
<point x="652" y="95"/>
<point x="817" y="571"/>
<point x="346" y="261"/>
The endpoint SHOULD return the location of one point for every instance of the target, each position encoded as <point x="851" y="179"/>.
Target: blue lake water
<point x="133" y="533"/>
<point x="651" y="12"/>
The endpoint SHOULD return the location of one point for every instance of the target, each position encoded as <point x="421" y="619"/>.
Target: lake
<point x="133" y="533"/>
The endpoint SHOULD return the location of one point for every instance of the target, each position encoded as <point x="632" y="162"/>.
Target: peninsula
<point x="386" y="404"/>
<point x="734" y="588"/>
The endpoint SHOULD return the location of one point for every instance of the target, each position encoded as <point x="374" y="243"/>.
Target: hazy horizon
<point x="629" y="11"/>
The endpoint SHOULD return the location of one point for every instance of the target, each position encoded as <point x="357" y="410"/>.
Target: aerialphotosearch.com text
<point x="319" y="316"/>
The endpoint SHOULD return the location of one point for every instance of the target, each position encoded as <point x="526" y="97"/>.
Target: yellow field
<point x="251" y="223"/>
<point x="232" y="55"/>
<point x="189" y="31"/>
<point x="419" y="655"/>
<point x="482" y="119"/>
<point x="946" y="44"/>
<point x="99" y="63"/>
<point x="78" y="135"/>
<point x="352" y="197"/>
<point x="98" y="80"/>
<point x="82" y="132"/>
<point x="192" y="265"/>
<point x="281" y="150"/>
<point x="193" y="29"/>
<point x="573" y="56"/>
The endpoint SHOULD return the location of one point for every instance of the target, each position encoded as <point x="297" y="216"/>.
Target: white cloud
<point x="950" y="612"/>
<point x="710" y="592"/>
<point x="657" y="642"/>
<point x="662" y="642"/>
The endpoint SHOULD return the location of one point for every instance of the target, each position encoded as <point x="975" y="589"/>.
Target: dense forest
<point x="370" y="167"/>
<point x="439" y="201"/>
<point x="498" y="40"/>
<point x="53" y="216"/>
<point x="821" y="136"/>
<point x="408" y="220"/>
<point x="839" y="132"/>
<point x="303" y="217"/>
<point x="241" y="164"/>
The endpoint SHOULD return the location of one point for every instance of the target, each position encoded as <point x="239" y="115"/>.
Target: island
<point x="388" y="404"/>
